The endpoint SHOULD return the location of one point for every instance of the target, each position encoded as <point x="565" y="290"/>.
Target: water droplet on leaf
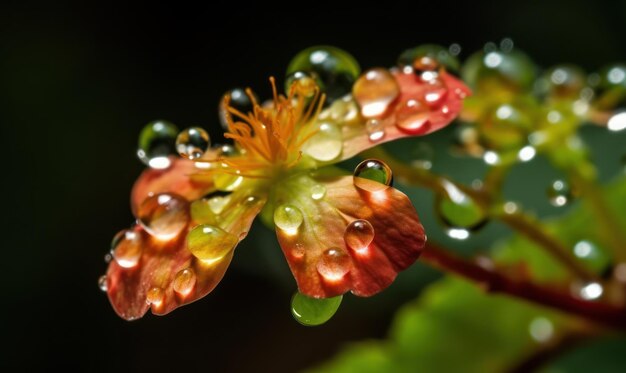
<point x="334" y="264"/>
<point x="375" y="129"/>
<point x="318" y="191"/>
<point x="307" y="82"/>
<point x="359" y="234"/>
<point x="102" y="283"/>
<point x="288" y="218"/>
<point x="311" y="312"/>
<point x="210" y="243"/>
<point x="326" y="144"/>
<point x="164" y="215"/>
<point x="412" y="117"/>
<point x="192" y="143"/>
<point x="184" y="281"/>
<point x="155" y="296"/>
<point x="375" y="91"/>
<point x="126" y="248"/>
<point x="157" y="143"/>
<point x="373" y="169"/>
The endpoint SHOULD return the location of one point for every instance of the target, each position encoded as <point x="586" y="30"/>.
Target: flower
<point x="338" y="232"/>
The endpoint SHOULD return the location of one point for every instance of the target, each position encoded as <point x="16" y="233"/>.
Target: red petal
<point x="174" y="179"/>
<point x="160" y="262"/>
<point x="398" y="240"/>
<point x="357" y="138"/>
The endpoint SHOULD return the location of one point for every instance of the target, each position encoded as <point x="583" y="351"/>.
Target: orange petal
<point x="155" y="275"/>
<point x="357" y="138"/>
<point x="174" y="179"/>
<point x="325" y="261"/>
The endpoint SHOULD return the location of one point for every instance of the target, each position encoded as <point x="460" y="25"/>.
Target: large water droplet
<point x="334" y="264"/>
<point x="184" y="281"/>
<point x="375" y="91"/>
<point x="126" y="248"/>
<point x="337" y="69"/>
<point x="102" y="283"/>
<point x="164" y="215"/>
<point x="192" y="143"/>
<point x="412" y="117"/>
<point x="375" y="129"/>
<point x="343" y="111"/>
<point x="457" y="209"/>
<point x="318" y="191"/>
<point x="210" y="243"/>
<point x="559" y="193"/>
<point x="359" y="235"/>
<point x="373" y="169"/>
<point x="311" y="312"/>
<point x="307" y="82"/>
<point x="239" y="100"/>
<point x="326" y="144"/>
<point x="288" y="218"/>
<point x="157" y="143"/>
<point x="155" y="296"/>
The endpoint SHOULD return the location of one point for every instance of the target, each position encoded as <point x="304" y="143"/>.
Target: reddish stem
<point x="496" y="282"/>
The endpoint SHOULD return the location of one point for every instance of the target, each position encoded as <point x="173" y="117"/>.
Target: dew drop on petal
<point x="298" y="251"/>
<point x="210" y="243"/>
<point x="311" y="311"/>
<point x="375" y="170"/>
<point x="559" y="193"/>
<point x="375" y="91"/>
<point x="155" y="296"/>
<point x="157" y="143"/>
<point x="412" y="117"/>
<point x="359" y="234"/>
<point x="102" y="283"/>
<point x="326" y="144"/>
<point x="126" y="248"/>
<point x="239" y="100"/>
<point x="333" y="264"/>
<point x="344" y="111"/>
<point x="184" y="281"/>
<point x="192" y="142"/>
<point x="318" y="191"/>
<point x="375" y="129"/>
<point x="288" y="218"/>
<point x="164" y="215"/>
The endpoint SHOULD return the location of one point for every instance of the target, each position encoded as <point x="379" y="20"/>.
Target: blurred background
<point x="79" y="81"/>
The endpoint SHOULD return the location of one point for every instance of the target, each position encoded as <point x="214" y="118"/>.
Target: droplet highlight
<point x="559" y="193"/>
<point x="326" y="144"/>
<point x="103" y="283"/>
<point x="375" y="129"/>
<point x="318" y="191"/>
<point x="412" y="117"/>
<point x="375" y="91"/>
<point x="288" y="218"/>
<point x="126" y="248"/>
<point x="184" y="281"/>
<point x="155" y="297"/>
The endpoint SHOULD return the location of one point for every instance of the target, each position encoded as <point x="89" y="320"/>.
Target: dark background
<point x="78" y="82"/>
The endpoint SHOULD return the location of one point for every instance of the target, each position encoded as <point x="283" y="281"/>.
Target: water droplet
<point x="102" y="283"/>
<point x="210" y="243"/>
<point x="422" y="156"/>
<point x="192" y="143"/>
<point x="288" y="218"/>
<point x="318" y="191"/>
<point x="239" y="100"/>
<point x="457" y="209"/>
<point x="333" y="264"/>
<point x="164" y="215"/>
<point x="126" y="248"/>
<point x="108" y="257"/>
<point x="307" y="82"/>
<point x="375" y="129"/>
<point x="412" y="117"/>
<point x="157" y="143"/>
<point x="526" y="153"/>
<point x="373" y="169"/>
<point x="593" y="255"/>
<point x="491" y="72"/>
<point x="298" y="251"/>
<point x="541" y="329"/>
<point x="374" y="91"/>
<point x="559" y="193"/>
<point x="311" y="312"/>
<point x="184" y="281"/>
<point x="343" y="111"/>
<point x="337" y="69"/>
<point x="359" y="235"/>
<point x="155" y="296"/>
<point x="437" y="52"/>
<point x="326" y="144"/>
<point x="435" y="92"/>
